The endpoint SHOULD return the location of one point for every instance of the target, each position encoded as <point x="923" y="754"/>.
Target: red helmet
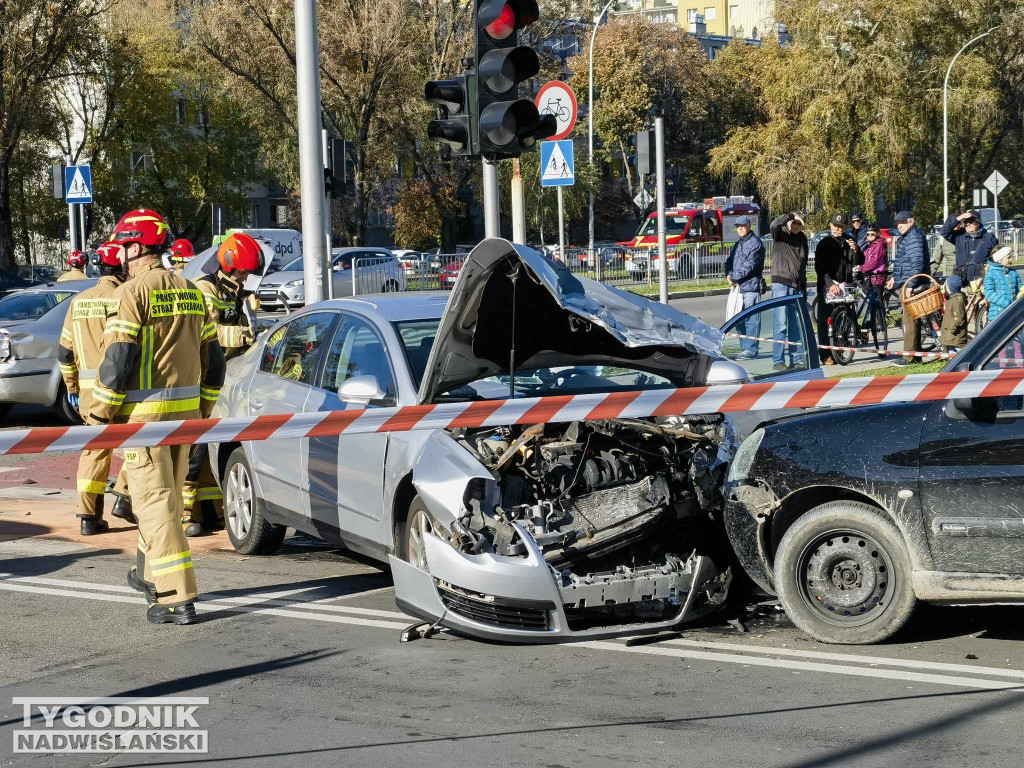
<point x="240" y="251"/>
<point x="76" y="260"/>
<point x="182" y="251"/>
<point x="141" y="226"/>
<point x="109" y="255"/>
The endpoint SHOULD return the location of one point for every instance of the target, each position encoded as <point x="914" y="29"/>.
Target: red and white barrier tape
<point x="532" y="410"/>
<point x="887" y="352"/>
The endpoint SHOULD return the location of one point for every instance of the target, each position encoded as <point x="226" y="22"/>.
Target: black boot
<point x="91" y="525"/>
<point x="139" y="584"/>
<point x="195" y="529"/>
<point x="123" y="509"/>
<point x="168" y="614"/>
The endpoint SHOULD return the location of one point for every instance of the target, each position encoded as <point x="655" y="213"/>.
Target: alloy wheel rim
<point x="238" y="501"/>
<point x="419" y="529"/>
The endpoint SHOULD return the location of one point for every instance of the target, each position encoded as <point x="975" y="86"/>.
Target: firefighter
<point x="78" y="354"/>
<point x="226" y="301"/>
<point x="76" y="268"/>
<point x="161" y="362"/>
<point x="179" y="255"/>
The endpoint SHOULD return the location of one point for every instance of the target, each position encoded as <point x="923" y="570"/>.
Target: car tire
<point x="843" y="574"/>
<point x="417" y="524"/>
<point x="245" y="518"/>
<point x="67" y="412"/>
<point x="391" y="286"/>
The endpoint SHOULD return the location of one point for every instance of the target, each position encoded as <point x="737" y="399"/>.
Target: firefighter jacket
<point x="72" y="274"/>
<point x="81" y="340"/>
<point x="224" y="308"/>
<point x="161" y="360"/>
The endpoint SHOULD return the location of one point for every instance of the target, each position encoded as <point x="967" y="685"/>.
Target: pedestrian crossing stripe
<point x="557" y="164"/>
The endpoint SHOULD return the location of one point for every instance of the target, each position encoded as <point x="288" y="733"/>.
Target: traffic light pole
<point x="311" y="168"/>
<point x="72" y="226"/>
<point x="518" y="205"/>
<point x="659" y="141"/>
<point x="492" y="226"/>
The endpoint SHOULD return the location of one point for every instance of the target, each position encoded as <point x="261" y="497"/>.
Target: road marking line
<point x="255" y="599"/>
<point x="206" y="605"/>
<point x="807" y="666"/>
<point x="912" y="663"/>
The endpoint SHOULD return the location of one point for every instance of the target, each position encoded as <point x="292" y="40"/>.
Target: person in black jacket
<point x="789" y="277"/>
<point x="973" y="243"/>
<point x="834" y="260"/>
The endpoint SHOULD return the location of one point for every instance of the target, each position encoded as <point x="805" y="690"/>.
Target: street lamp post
<point x="945" y="124"/>
<point x="590" y="131"/>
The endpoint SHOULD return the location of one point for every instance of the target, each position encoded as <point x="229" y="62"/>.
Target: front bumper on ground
<point x="519" y="599"/>
<point x="29" y="381"/>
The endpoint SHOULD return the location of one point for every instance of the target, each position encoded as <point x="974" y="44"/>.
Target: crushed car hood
<point x="560" y="319"/>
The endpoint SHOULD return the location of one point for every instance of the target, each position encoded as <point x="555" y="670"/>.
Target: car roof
<point x="395" y="307"/>
<point x="68" y="286"/>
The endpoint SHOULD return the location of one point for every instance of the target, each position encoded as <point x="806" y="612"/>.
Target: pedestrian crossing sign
<point x="77" y="184"/>
<point x="556" y="164"/>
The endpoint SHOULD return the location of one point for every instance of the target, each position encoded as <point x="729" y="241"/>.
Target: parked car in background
<point x="851" y="533"/>
<point x="413" y="263"/>
<point x="12" y="282"/>
<point x="30" y="325"/>
<point x="41" y="272"/>
<point x="449" y="273"/>
<point x="523" y="533"/>
<point x="376" y="271"/>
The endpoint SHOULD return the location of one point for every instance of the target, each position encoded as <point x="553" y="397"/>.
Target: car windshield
<point x="295" y="265"/>
<point x="417" y="338"/>
<point x="29" y="306"/>
<point x="561" y="380"/>
<point x="674" y="225"/>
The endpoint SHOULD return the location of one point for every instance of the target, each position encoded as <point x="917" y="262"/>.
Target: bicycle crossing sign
<point x="556" y="98"/>
<point x="77" y="184"/>
<point x="556" y="164"/>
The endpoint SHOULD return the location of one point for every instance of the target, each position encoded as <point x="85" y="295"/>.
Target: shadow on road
<point x="871" y="746"/>
<point x="40" y="565"/>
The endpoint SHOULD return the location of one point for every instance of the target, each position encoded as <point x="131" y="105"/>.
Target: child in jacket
<point x="1002" y="284"/>
<point x="953" y="334"/>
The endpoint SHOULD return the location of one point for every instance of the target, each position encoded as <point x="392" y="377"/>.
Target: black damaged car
<point x="853" y="515"/>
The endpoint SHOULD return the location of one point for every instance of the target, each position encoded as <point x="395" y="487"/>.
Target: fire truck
<point x="698" y="236"/>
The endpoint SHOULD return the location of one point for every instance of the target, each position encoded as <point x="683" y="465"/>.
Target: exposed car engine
<point x="616" y="508"/>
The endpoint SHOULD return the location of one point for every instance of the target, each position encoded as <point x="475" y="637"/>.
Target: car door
<point x="288" y="369"/>
<point x="797" y="341"/>
<point x="346" y="473"/>
<point x="972" y="473"/>
<point x="341" y="273"/>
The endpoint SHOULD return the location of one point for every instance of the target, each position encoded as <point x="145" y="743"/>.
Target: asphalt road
<point x="300" y="659"/>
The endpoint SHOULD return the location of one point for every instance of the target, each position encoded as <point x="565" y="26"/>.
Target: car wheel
<point x="418" y="524"/>
<point x="244" y="515"/>
<point x="67" y="412"/>
<point x="391" y="286"/>
<point x="843" y="574"/>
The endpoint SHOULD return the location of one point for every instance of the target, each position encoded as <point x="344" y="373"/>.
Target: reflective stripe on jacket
<point x="161" y="359"/>
<point x="225" y="312"/>
<point x="80" y="348"/>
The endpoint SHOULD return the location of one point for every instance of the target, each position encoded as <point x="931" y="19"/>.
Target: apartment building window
<point x="140" y="161"/>
<point x="691" y="15"/>
<point x="180" y="111"/>
<point x="734" y="11"/>
<point x="710" y="13"/>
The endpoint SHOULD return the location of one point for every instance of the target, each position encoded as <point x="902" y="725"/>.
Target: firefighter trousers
<point x="93" y="471"/>
<point x="155" y="476"/>
<point x="201" y="490"/>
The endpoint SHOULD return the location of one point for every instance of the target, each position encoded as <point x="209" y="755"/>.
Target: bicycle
<point x="849" y="327"/>
<point x="559" y="111"/>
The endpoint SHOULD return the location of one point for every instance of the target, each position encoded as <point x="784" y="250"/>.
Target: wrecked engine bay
<point x="624" y="512"/>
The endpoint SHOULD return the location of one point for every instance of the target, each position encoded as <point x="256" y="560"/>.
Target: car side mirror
<point x="362" y="390"/>
<point x="976" y="408"/>
<point x="726" y="372"/>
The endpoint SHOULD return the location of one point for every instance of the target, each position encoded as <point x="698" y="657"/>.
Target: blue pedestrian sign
<point x="556" y="164"/>
<point x="77" y="184"/>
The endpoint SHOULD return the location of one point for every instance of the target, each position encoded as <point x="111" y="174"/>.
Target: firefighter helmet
<point x="108" y="255"/>
<point x="76" y="259"/>
<point x="240" y="251"/>
<point x="142" y="226"/>
<point x="182" y="251"/>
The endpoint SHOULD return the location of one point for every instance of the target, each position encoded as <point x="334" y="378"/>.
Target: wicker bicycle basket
<point x="921" y="304"/>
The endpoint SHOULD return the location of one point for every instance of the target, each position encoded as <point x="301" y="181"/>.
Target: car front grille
<point x="500" y="612"/>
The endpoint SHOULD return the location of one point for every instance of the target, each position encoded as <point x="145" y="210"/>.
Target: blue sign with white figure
<point x="556" y="164"/>
<point x="77" y="184"/>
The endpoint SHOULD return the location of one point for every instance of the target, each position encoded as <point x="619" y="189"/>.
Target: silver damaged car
<point x="537" y="533"/>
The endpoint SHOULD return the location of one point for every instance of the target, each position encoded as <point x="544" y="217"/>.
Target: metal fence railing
<point x="371" y="274"/>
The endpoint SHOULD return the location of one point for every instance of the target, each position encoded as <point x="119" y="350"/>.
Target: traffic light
<point x="643" y="143"/>
<point x="455" y="100"/>
<point x="508" y="125"/>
